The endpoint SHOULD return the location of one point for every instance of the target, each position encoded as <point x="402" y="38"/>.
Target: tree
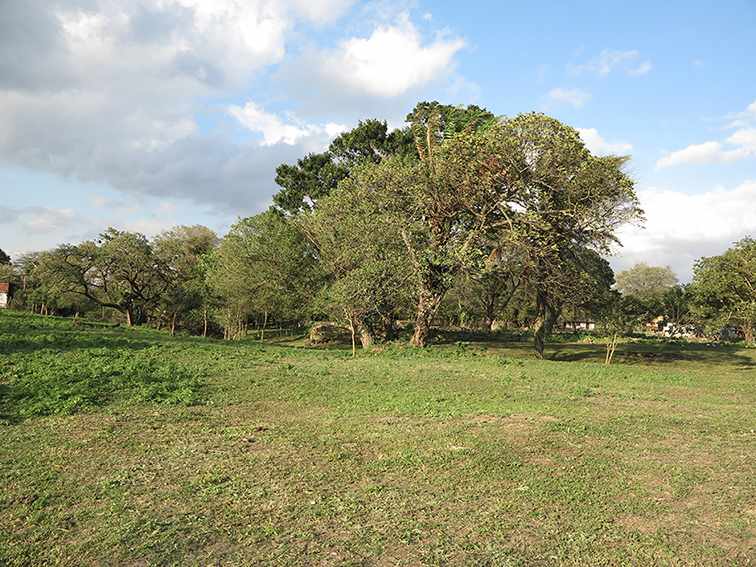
<point x="264" y="265"/>
<point x="724" y="288"/>
<point x="618" y="316"/>
<point x="119" y="270"/>
<point x="569" y="203"/>
<point x="360" y="249"/>
<point x="316" y="175"/>
<point x="646" y="282"/>
<point x="483" y="295"/>
<point x="4" y="258"/>
<point x="178" y="252"/>
<point x="676" y="304"/>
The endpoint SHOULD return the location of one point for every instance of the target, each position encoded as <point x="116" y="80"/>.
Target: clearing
<point x="125" y="446"/>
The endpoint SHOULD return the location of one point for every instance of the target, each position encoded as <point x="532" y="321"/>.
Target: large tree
<point x="569" y="203"/>
<point x="724" y="288"/>
<point x="317" y="174"/>
<point x="527" y="183"/>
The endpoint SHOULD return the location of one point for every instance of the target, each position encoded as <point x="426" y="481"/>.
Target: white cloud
<point x="389" y="62"/>
<point x="599" y="146"/>
<point x="707" y="152"/>
<point x="276" y="131"/>
<point x="681" y="227"/>
<point x="630" y="62"/>
<point x="641" y="69"/>
<point x="322" y="11"/>
<point x="109" y="92"/>
<point x="746" y="138"/>
<point x="739" y="145"/>
<point x="574" y="97"/>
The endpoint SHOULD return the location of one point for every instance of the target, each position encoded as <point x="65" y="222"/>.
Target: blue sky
<point x="147" y="114"/>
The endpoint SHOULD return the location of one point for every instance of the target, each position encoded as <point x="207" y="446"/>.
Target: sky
<point x="145" y="114"/>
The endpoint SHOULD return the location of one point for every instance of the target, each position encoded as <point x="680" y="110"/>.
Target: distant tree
<point x="118" y="270"/>
<point x="724" y="288"/>
<point x="646" y="282"/>
<point x="482" y="296"/>
<point x="178" y="252"/>
<point x="4" y="258"/>
<point x="264" y="265"/>
<point x="676" y="307"/>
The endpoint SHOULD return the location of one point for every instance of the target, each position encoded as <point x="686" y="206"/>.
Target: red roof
<point x="4" y="287"/>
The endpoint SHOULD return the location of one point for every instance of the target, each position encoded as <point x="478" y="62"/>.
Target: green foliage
<point x="50" y="383"/>
<point x="48" y="367"/>
<point x="724" y="288"/>
<point x="317" y="175"/>
<point x="648" y="283"/>
<point x="264" y="265"/>
<point x="4" y="258"/>
<point x="360" y="248"/>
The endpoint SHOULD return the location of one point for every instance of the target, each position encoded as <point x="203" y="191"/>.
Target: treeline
<point x="462" y="218"/>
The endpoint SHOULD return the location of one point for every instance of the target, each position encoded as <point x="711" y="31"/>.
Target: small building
<point x="5" y="294"/>
<point x="584" y="325"/>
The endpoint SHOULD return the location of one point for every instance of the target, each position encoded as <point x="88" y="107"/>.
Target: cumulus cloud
<point x="739" y="145"/>
<point x="322" y="11"/>
<point x="707" y="152"/>
<point x="574" y="97"/>
<point x="629" y="62"/>
<point x="711" y="222"/>
<point x="391" y="61"/>
<point x="276" y="131"/>
<point x="110" y="92"/>
<point x="599" y="146"/>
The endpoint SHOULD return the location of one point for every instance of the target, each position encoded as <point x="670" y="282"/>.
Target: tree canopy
<point x="724" y="288"/>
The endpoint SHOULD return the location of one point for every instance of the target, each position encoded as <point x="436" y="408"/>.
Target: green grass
<point x="129" y="447"/>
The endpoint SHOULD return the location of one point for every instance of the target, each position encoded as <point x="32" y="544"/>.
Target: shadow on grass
<point x="661" y="353"/>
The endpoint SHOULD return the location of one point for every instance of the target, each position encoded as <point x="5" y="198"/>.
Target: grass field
<point x="128" y="447"/>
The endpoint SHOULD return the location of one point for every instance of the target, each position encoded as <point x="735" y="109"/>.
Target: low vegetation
<point x="129" y="446"/>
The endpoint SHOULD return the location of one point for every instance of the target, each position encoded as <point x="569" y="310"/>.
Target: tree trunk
<point x="129" y="317"/>
<point x="543" y="323"/>
<point x="173" y="324"/>
<point x="265" y="323"/>
<point x="611" y="346"/>
<point x="366" y="335"/>
<point x="204" y="322"/>
<point x="748" y="334"/>
<point x="426" y="309"/>
<point x="350" y="317"/>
